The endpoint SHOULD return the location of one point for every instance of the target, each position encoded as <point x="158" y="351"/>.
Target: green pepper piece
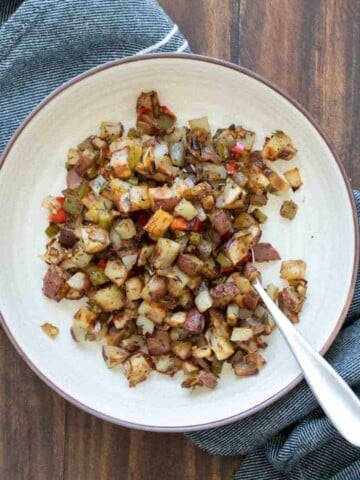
<point x="52" y="230"/>
<point x="223" y="260"/>
<point x="134" y="180"/>
<point x="92" y="171"/>
<point x="216" y="367"/>
<point x="97" y="276"/>
<point x="195" y="238"/>
<point x="72" y="203"/>
<point x="105" y="219"/>
<point x="134" y="157"/>
<point x="259" y="215"/>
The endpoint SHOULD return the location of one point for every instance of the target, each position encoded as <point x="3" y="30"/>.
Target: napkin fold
<point x="44" y="43"/>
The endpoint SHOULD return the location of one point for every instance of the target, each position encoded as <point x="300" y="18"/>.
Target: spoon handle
<point x="335" y="397"/>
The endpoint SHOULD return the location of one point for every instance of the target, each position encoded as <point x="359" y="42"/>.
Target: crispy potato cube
<point x="186" y="210"/>
<point x="182" y="350"/>
<point x="236" y="249"/>
<point x="293" y="270"/>
<point x="50" y="330"/>
<point x="125" y="228"/>
<point x="146" y="325"/>
<point x="109" y="298"/>
<point x="278" y="186"/>
<point x="137" y="368"/>
<point x="116" y="271"/>
<point x="159" y="223"/>
<point x="114" y="355"/>
<point x="139" y="198"/>
<point x="294" y="178"/>
<point x="110" y="130"/>
<point x="203" y="300"/>
<point x="241" y="334"/>
<point x="153" y="311"/>
<point x="221" y="346"/>
<point x="120" y="165"/>
<point x="165" y="253"/>
<point x="95" y="239"/>
<point x="288" y="209"/>
<point x="133" y="288"/>
<point x="279" y="145"/>
<point x="177" y="319"/>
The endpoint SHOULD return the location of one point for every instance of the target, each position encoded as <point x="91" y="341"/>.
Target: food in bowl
<point x="156" y="230"/>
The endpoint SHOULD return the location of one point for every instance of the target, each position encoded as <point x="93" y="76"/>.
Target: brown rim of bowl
<point x="297" y="380"/>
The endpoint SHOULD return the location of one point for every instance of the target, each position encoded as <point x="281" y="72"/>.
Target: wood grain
<point x="311" y="49"/>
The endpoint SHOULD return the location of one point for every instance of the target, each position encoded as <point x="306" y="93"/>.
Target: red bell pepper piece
<point x="231" y="168"/>
<point x="101" y="263"/>
<point x="143" y="110"/>
<point x="238" y="148"/>
<point x="180" y="223"/>
<point x="61" y="200"/>
<point x="58" y="217"/>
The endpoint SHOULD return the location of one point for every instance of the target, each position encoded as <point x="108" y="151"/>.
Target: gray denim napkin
<point x="47" y="42"/>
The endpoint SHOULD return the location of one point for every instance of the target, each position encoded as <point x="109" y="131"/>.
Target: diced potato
<point x="214" y="172"/>
<point x="79" y="281"/>
<point x="116" y="271"/>
<point x="182" y="350"/>
<point x="288" y="209"/>
<point x="139" y="198"/>
<point x="120" y="165"/>
<point x="109" y="298"/>
<point x="167" y="364"/>
<point x="294" y="178"/>
<point x="114" y="355"/>
<point x="231" y="193"/>
<point x="153" y="311"/>
<point x="155" y="289"/>
<point x="73" y="156"/>
<point x="186" y="210"/>
<point x="114" y="189"/>
<point x="279" y="146"/>
<point x="208" y="203"/>
<point x="232" y="314"/>
<point x="259" y="215"/>
<point x="177" y="282"/>
<point x="144" y="254"/>
<point x="165" y="253"/>
<point x="190" y="264"/>
<point x="84" y="321"/>
<point x="133" y="288"/>
<point x="278" y="185"/>
<point x="146" y="325"/>
<point x="203" y="300"/>
<point x="95" y="239"/>
<point x="163" y="197"/>
<point x="125" y="228"/>
<point x="188" y="367"/>
<point x="50" y="330"/>
<point x="159" y="223"/>
<point x="177" y="319"/>
<point x="272" y="291"/>
<point x="243" y="284"/>
<point x="123" y="204"/>
<point x="202" y="352"/>
<point x="241" y="334"/>
<point x="221" y="346"/>
<point x="110" y="130"/>
<point x="236" y="249"/>
<point x="293" y="270"/>
<point x="137" y="368"/>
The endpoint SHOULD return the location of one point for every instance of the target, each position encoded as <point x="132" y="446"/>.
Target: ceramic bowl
<point x="324" y="234"/>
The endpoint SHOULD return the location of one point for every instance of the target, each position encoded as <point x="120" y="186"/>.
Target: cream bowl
<point x="324" y="234"/>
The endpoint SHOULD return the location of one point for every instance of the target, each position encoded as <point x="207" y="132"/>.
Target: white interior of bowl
<point x="322" y="234"/>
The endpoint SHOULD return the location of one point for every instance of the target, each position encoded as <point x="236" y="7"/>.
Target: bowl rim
<point x="260" y="406"/>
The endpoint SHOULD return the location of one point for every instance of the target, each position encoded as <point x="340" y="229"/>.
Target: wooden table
<point x="310" y="48"/>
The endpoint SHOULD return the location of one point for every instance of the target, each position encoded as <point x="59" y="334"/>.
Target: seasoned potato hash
<point x="155" y="229"/>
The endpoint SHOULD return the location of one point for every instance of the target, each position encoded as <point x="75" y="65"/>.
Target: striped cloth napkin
<point x="47" y="42"/>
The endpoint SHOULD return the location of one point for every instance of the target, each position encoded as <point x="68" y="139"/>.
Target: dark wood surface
<point x="310" y="48"/>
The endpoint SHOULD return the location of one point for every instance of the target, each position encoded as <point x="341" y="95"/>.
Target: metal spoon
<point x="335" y="397"/>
